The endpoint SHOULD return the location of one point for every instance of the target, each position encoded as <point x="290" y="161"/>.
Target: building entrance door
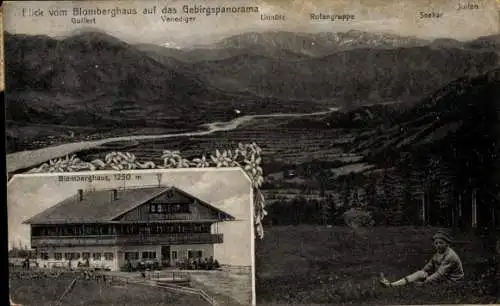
<point x="165" y="255"/>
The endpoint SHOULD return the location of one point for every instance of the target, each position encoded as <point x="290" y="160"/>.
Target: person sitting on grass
<point x="445" y="265"/>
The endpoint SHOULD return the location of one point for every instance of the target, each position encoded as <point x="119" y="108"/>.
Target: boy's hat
<point x="442" y="235"/>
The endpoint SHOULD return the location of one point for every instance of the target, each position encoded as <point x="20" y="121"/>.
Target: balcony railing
<point x="193" y="238"/>
<point x="166" y="239"/>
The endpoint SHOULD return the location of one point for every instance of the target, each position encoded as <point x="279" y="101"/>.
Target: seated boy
<point x="444" y="265"/>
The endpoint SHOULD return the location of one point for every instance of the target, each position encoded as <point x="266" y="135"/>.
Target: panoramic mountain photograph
<point x="368" y="150"/>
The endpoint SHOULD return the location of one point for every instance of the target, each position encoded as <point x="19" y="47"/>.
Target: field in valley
<point x="319" y="265"/>
<point x="279" y="142"/>
<point x="36" y="136"/>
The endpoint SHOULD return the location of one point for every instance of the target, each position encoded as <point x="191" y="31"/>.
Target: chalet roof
<point x="99" y="206"/>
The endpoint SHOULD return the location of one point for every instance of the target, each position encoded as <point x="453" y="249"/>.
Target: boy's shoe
<point x="384" y="281"/>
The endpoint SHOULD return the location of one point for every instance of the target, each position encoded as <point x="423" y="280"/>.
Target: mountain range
<point x="92" y="78"/>
<point x="359" y="76"/>
<point x="395" y="125"/>
<point x="354" y="67"/>
<point x="95" y="79"/>
<point x="291" y="45"/>
<point x="448" y="143"/>
<point x="465" y="112"/>
<point x="445" y="146"/>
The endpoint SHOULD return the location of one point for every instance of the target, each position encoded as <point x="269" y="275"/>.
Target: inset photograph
<point x="152" y="237"/>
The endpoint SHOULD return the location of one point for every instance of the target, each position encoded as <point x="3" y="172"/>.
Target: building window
<point x="190" y="254"/>
<point x="178" y="208"/>
<point x="108" y="256"/>
<point x="76" y="256"/>
<point x="77" y="231"/>
<point x="58" y="256"/>
<point x="169" y="208"/>
<point x="44" y="256"/>
<point x="148" y="255"/>
<point x="96" y="256"/>
<point x="175" y="208"/>
<point x="174" y="255"/>
<point x="85" y="255"/>
<point x="197" y="228"/>
<point x="153" y="208"/>
<point x="131" y="255"/>
<point x="199" y="254"/>
<point x="68" y="256"/>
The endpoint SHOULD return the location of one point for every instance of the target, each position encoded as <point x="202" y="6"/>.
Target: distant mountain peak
<point x="84" y="31"/>
<point x="95" y="35"/>
<point x="170" y="45"/>
<point x="316" y="44"/>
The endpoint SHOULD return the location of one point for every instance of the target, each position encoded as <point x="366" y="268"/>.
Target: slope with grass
<point x="46" y="291"/>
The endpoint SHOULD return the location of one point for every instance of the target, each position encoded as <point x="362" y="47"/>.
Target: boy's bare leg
<point x="417" y="276"/>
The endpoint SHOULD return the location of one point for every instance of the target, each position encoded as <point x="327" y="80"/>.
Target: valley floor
<point x="338" y="265"/>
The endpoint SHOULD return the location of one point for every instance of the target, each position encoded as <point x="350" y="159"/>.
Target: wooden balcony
<point x="172" y="239"/>
<point x="165" y="239"/>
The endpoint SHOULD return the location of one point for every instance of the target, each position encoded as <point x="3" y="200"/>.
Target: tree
<point x="333" y="201"/>
<point x="325" y="211"/>
<point x="321" y="174"/>
<point x="370" y="188"/>
<point x="410" y="186"/>
<point x="346" y="193"/>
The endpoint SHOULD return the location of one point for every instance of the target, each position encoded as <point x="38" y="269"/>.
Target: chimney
<point x="80" y="194"/>
<point x="115" y="194"/>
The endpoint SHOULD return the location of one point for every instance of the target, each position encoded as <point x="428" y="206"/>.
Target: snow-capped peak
<point x="170" y="45"/>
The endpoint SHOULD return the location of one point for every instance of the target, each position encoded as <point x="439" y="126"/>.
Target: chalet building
<point x="108" y="228"/>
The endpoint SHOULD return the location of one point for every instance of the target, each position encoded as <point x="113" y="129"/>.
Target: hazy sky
<point x="393" y="16"/>
<point x="28" y="195"/>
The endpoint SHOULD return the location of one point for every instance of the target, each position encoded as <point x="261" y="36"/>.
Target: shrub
<point x="356" y="217"/>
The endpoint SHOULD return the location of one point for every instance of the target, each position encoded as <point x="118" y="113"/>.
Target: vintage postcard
<point x="368" y="131"/>
<point x="151" y="237"/>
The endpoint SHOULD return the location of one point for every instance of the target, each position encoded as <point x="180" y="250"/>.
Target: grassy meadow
<point x="339" y="265"/>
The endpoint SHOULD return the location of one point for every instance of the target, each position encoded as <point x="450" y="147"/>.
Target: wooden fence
<point x="174" y="275"/>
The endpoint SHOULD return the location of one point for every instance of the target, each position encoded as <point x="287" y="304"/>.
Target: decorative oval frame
<point x="245" y="156"/>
